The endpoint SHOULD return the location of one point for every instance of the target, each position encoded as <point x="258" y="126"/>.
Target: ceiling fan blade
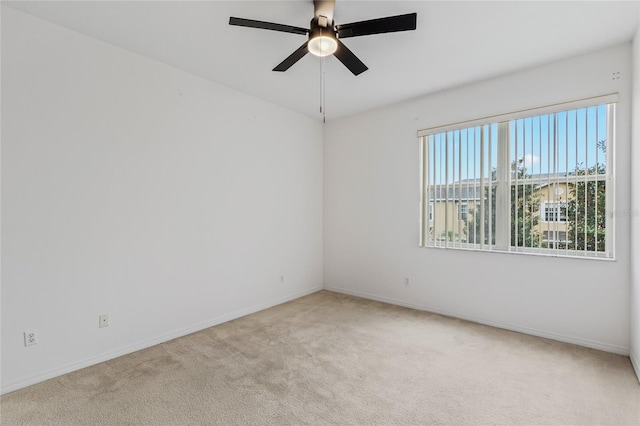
<point x="293" y="58"/>
<point x="324" y="8"/>
<point x="389" y="24"/>
<point x="349" y="60"/>
<point x="241" y="22"/>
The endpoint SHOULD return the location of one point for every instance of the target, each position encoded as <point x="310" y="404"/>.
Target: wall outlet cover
<point x="31" y="337"/>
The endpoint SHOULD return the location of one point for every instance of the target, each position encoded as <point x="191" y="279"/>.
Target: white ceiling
<point x="456" y="43"/>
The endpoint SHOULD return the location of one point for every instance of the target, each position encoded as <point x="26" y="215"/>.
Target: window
<point x="553" y="211"/>
<point x="554" y="236"/>
<point x="463" y="210"/>
<point x="537" y="181"/>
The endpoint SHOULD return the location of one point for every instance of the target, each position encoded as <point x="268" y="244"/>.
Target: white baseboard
<point x="68" y="368"/>
<point x="635" y="362"/>
<point x="526" y="330"/>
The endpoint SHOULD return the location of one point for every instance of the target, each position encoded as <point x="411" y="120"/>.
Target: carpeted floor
<point x="334" y="359"/>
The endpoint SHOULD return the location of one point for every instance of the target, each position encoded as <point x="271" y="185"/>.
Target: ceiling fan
<point x="324" y="36"/>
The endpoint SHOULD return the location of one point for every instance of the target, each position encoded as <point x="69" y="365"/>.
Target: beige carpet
<point x="334" y="359"/>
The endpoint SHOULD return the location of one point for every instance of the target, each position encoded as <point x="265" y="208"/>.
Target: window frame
<point x="502" y="228"/>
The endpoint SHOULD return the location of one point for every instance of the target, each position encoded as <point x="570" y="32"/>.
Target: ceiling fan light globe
<point x="323" y="46"/>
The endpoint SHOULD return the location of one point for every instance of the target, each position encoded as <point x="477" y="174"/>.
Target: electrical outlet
<point x="103" y="320"/>
<point x="407" y="281"/>
<point x="31" y="337"/>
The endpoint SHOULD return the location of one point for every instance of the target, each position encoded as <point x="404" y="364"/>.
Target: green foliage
<point x="587" y="220"/>
<point x="449" y="236"/>
<point x="525" y="207"/>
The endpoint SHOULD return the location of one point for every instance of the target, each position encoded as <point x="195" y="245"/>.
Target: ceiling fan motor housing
<point x="321" y="26"/>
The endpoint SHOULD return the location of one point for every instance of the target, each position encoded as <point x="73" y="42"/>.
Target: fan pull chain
<point x="323" y="99"/>
<point x="321" y="83"/>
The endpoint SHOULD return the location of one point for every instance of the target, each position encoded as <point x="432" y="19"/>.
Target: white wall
<point x="135" y="189"/>
<point x="371" y="199"/>
<point x="635" y="210"/>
